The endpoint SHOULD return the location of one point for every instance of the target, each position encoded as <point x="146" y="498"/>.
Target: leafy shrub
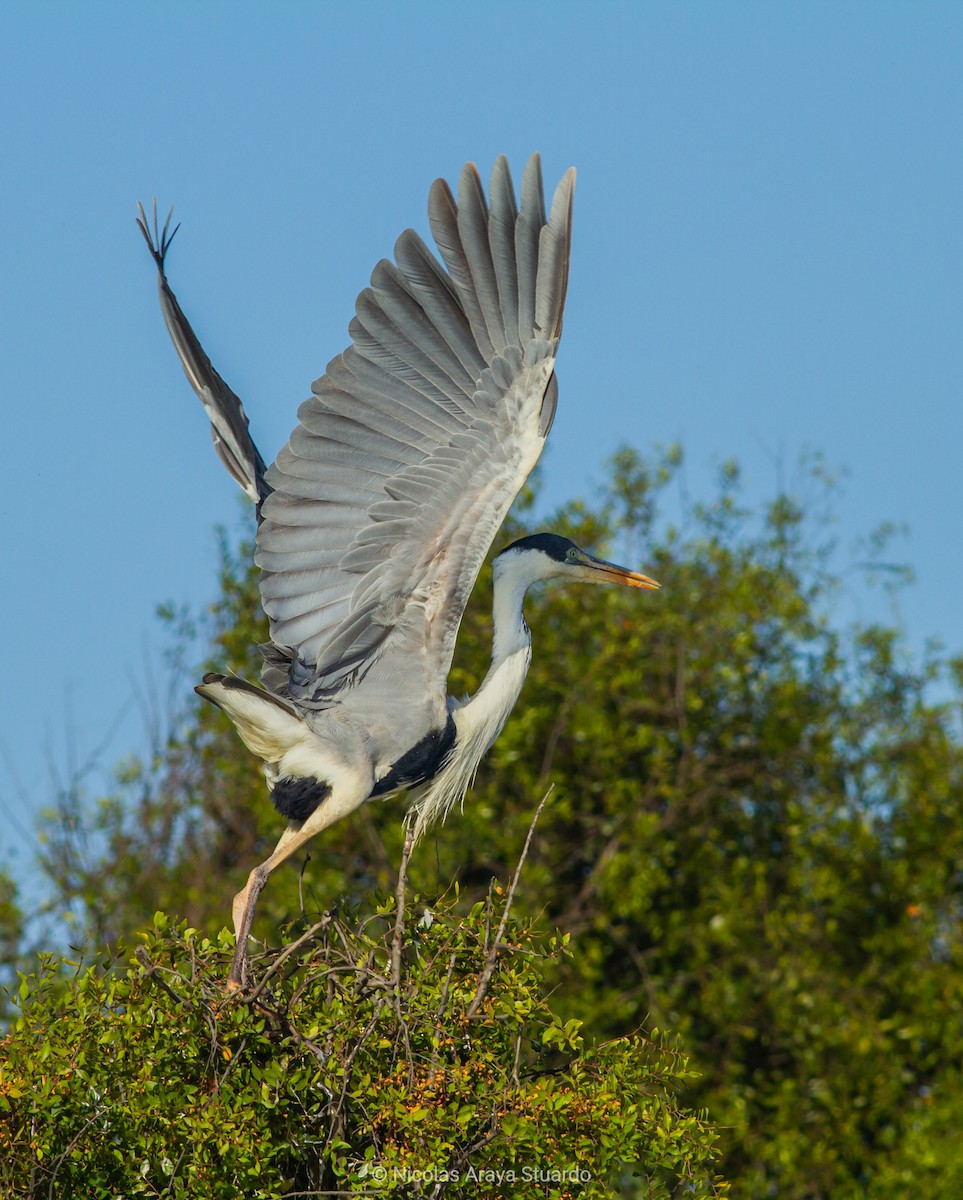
<point x="396" y="1053"/>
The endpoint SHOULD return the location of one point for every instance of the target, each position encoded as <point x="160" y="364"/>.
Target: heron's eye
<point x="572" y="555"/>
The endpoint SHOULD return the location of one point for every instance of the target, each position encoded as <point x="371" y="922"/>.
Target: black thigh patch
<point x="419" y="764"/>
<point x="297" y="797"/>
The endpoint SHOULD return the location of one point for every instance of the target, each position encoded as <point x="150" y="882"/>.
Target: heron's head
<point x="550" y="556"/>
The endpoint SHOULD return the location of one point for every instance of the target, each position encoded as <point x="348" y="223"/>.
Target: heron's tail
<point x="267" y="726"/>
<point x="229" y="427"/>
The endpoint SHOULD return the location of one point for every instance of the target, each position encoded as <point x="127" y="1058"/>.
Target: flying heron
<point x="375" y="518"/>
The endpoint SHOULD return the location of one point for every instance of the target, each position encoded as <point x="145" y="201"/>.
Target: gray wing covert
<point x="413" y="445"/>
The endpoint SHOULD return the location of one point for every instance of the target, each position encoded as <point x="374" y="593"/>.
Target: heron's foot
<point x="237" y="976"/>
<point x="243" y="913"/>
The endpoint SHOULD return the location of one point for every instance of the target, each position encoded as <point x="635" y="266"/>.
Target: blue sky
<point x="768" y="256"/>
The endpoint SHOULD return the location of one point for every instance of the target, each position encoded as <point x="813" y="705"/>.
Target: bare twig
<point x="150" y="970"/>
<point x="346" y="1070"/>
<point x="443" y="1004"/>
<point x="301" y="1195"/>
<point x="304" y="867"/>
<point x="286" y="954"/>
<point x="397" y="940"/>
<point x="459" y="1160"/>
<point x="518" y="1054"/>
<point x="68" y="1151"/>
<point x="492" y="956"/>
<point x="488" y="915"/>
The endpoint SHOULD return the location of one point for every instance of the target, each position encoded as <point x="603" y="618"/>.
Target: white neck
<point x="479" y="721"/>
<point x="510" y="633"/>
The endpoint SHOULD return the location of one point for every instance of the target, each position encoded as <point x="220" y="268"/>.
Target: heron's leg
<point x="293" y="838"/>
<point x="245" y="901"/>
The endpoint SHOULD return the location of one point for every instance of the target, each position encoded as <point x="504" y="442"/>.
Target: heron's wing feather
<point x="413" y="445"/>
<point x="229" y="426"/>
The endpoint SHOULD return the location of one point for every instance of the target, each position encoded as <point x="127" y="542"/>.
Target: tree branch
<point x="492" y="957"/>
<point x="397" y="940"/>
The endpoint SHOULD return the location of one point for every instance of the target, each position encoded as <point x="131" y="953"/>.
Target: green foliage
<point x="337" y="1076"/>
<point x="11" y="934"/>
<point x="754" y="837"/>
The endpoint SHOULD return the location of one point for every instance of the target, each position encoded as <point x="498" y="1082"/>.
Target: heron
<point x="374" y="520"/>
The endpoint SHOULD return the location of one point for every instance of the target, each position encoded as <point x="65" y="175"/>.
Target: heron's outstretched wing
<point x="416" y="440"/>
<point x="229" y="429"/>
